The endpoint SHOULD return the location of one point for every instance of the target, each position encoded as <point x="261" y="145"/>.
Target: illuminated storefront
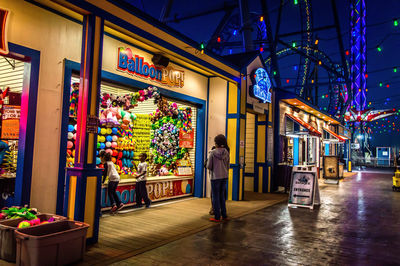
<point x="306" y="135"/>
<point x="100" y="86"/>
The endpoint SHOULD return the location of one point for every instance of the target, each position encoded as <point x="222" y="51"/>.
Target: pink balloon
<point x="114" y="144"/>
<point x="109" y="151"/>
<point x="128" y="52"/>
<point x="70" y="144"/>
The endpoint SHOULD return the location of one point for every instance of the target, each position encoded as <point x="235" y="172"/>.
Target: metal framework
<point x="358" y="54"/>
<point x="238" y="21"/>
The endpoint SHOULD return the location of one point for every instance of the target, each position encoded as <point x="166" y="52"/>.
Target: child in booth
<point x="140" y="190"/>
<point x="113" y="180"/>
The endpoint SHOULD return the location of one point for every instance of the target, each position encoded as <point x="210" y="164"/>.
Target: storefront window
<point x="136" y="121"/>
<point x="11" y="83"/>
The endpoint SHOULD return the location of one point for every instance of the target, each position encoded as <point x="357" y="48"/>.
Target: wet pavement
<point x="358" y="223"/>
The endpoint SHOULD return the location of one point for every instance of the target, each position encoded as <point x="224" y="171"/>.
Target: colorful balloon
<point x="70" y="144"/>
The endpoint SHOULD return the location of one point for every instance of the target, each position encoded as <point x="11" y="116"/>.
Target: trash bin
<point x="57" y="243"/>
<point x="7" y="235"/>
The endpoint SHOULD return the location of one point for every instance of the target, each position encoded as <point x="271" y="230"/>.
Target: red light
<point x="347" y="52"/>
<point x="366" y="75"/>
<point x="219" y="39"/>
<point x="287" y="81"/>
<point x="326" y="96"/>
<point x="261" y="49"/>
<point x="387" y="86"/>
<point x="394" y="110"/>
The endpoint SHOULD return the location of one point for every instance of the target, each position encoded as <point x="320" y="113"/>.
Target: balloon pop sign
<point x="136" y="65"/>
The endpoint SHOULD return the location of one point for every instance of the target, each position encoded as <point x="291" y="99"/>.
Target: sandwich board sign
<point x="304" y="190"/>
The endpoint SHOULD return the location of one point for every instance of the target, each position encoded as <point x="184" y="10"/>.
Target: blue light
<point x="262" y="85"/>
<point x="295" y="67"/>
<point x="230" y="51"/>
<point x="234" y="32"/>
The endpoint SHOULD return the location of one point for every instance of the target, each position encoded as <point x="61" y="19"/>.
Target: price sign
<point x="186" y="139"/>
<point x="10" y="122"/>
<point x="92" y="124"/>
<point x="184" y="167"/>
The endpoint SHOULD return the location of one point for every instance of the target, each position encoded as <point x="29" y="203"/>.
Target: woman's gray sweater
<point x="218" y="163"/>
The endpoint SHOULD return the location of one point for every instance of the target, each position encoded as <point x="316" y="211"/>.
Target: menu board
<point x="10" y="122"/>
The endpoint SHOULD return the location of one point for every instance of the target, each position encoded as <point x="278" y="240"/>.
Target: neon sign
<point x="135" y="65"/>
<point x="3" y="31"/>
<point x="261" y="85"/>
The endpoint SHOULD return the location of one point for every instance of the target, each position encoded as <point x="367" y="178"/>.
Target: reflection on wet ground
<point x="358" y="223"/>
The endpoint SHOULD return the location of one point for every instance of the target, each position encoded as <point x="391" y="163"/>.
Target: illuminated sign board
<point x="136" y="66"/>
<point x="261" y="85"/>
<point x="3" y="30"/>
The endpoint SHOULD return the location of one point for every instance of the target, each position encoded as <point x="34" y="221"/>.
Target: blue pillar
<point x="83" y="182"/>
<point x="326" y="148"/>
<point x="295" y="151"/>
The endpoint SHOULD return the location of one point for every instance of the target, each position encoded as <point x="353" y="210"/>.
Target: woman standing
<point x="218" y="164"/>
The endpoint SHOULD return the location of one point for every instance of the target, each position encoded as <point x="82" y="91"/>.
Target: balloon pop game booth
<point x="142" y="121"/>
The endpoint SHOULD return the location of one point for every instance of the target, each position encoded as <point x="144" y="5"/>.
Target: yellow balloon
<point x="183" y="186"/>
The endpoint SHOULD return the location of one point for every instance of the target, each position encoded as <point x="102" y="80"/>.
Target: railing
<point x="372" y="162"/>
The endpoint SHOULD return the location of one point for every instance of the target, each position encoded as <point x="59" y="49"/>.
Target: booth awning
<point x="309" y="129"/>
<point x="334" y="136"/>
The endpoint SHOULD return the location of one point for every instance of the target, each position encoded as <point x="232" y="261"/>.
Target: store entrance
<point x="135" y="121"/>
<point x="11" y="86"/>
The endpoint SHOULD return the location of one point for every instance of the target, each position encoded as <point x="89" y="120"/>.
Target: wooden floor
<point x="128" y="234"/>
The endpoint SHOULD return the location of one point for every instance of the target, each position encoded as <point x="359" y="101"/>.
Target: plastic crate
<point x="57" y="243"/>
<point x="7" y="235"/>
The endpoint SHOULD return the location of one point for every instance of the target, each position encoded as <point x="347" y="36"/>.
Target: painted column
<point x="235" y="133"/>
<point x="296" y="151"/>
<point x="83" y="182"/>
<point x="262" y="169"/>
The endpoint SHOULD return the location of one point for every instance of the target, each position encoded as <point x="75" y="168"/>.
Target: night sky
<point x="380" y="32"/>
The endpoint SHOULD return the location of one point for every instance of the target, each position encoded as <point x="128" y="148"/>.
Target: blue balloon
<point x="102" y="146"/>
<point x="97" y="152"/>
<point x="132" y="155"/>
<point x="109" y="138"/>
<point x="98" y="130"/>
<point x="98" y="161"/>
<point x="188" y="189"/>
<point x="123" y="153"/>
<point x="70" y="128"/>
<point x="123" y="162"/>
<point x="115" y="131"/>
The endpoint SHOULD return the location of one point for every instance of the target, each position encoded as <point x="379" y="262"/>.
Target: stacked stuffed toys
<point x="73" y="100"/>
<point x="71" y="143"/>
<point x="126" y="135"/>
<point x="167" y="120"/>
